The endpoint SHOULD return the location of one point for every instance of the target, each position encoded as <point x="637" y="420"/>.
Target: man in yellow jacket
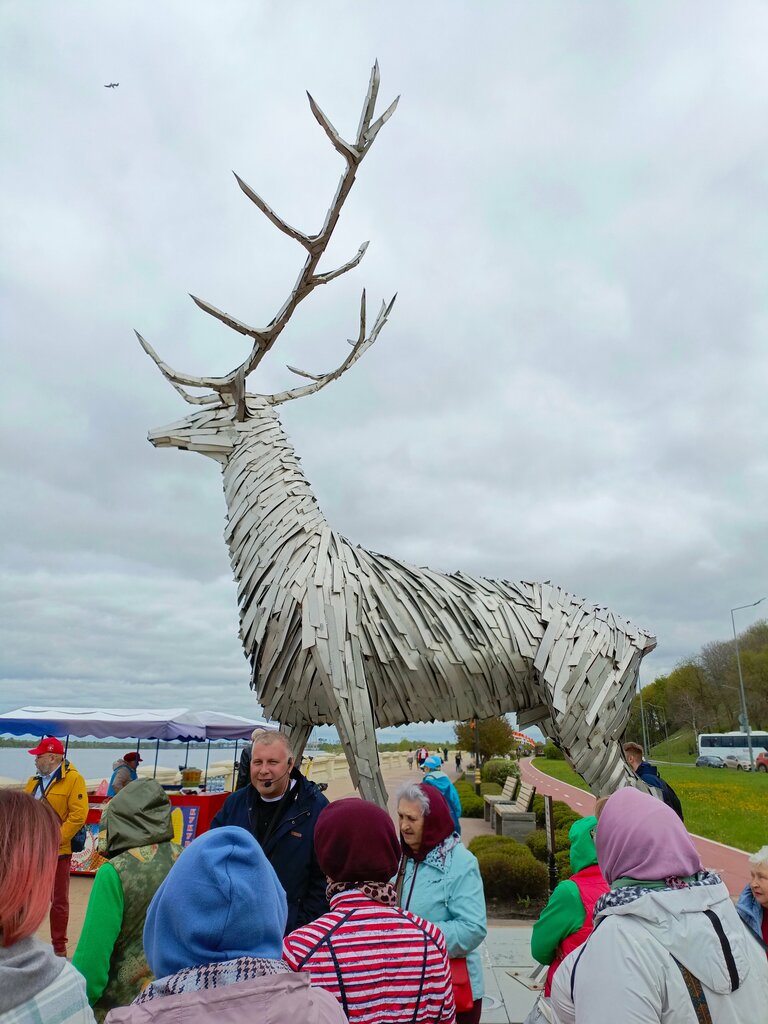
<point x="63" y="787"/>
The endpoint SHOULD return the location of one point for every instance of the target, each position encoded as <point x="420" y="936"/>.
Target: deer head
<point x="213" y="430"/>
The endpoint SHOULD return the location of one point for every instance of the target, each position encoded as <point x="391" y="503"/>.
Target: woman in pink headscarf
<point x="668" y="946"/>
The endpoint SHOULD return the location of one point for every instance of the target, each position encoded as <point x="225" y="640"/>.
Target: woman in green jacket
<point x="136" y="833"/>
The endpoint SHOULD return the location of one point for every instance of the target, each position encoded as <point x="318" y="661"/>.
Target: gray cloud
<point x="570" y="203"/>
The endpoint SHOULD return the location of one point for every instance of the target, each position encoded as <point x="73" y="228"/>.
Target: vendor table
<point x="192" y="815"/>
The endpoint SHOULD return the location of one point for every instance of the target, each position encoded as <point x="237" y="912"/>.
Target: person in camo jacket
<point x="136" y="834"/>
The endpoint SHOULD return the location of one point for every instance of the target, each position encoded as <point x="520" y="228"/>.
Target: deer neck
<point x="269" y="501"/>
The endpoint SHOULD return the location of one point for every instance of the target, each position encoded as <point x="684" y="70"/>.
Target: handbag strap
<point x="400" y="879"/>
<point x="697" y="994"/>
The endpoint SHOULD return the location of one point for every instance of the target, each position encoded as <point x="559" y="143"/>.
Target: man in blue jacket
<point x="280" y="807"/>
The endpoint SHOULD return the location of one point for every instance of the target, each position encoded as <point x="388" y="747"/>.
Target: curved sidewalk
<point x="731" y="864"/>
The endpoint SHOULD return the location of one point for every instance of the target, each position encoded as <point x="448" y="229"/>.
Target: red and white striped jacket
<point x="383" y="964"/>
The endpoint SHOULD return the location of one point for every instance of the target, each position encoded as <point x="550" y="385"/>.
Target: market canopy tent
<point x="120" y="723"/>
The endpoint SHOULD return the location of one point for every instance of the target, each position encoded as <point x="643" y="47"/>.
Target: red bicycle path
<point x="731" y="864"/>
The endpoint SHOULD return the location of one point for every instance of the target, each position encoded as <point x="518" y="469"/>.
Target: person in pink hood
<point x="213" y="938"/>
<point x="667" y="946"/>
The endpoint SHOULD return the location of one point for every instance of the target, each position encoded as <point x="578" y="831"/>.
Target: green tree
<point x="496" y="737"/>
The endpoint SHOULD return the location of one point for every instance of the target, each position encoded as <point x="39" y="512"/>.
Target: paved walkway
<point x="732" y="865"/>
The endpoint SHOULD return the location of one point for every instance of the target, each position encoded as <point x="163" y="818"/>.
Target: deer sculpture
<point x="338" y="634"/>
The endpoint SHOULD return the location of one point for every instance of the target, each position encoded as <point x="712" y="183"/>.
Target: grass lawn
<point x="718" y="803"/>
<point x="681" y="748"/>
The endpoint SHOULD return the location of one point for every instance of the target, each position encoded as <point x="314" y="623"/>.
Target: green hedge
<point x="508" y="877"/>
<point x="552" y="752"/>
<point x="537" y="843"/>
<point x="498" y="844"/>
<point x="471" y="804"/>
<point x="498" y="769"/>
<point x="563" y="816"/>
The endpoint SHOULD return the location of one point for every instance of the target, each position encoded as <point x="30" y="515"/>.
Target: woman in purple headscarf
<point x="668" y="946"/>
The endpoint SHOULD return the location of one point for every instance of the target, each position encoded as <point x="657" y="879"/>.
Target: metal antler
<point x="229" y="387"/>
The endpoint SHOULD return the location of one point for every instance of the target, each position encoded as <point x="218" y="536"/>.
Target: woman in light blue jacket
<point x="439" y="879"/>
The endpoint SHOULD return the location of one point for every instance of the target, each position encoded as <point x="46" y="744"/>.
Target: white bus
<point x="724" y="743"/>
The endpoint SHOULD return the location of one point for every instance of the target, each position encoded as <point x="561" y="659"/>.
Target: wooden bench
<point x="516" y="819"/>
<point x="506" y="796"/>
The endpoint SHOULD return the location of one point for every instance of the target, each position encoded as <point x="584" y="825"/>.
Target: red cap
<point x="133" y="755"/>
<point x="49" y="745"/>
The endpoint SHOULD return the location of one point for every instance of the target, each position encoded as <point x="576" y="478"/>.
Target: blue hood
<point x="221" y="900"/>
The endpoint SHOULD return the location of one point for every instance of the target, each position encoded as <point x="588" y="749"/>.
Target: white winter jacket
<point x="625" y="973"/>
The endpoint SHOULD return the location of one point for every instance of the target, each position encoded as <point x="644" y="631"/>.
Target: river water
<point x="96" y="762"/>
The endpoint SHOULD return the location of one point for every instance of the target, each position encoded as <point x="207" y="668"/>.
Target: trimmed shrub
<point x="552" y="752"/>
<point x="562" y="842"/>
<point x="498" y="844"/>
<point x="537" y="844"/>
<point x="498" y="769"/>
<point x="472" y="805"/>
<point x="508" y="878"/>
<point x="563" y="816"/>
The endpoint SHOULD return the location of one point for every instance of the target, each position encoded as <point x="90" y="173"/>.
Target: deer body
<point x="338" y="634"/>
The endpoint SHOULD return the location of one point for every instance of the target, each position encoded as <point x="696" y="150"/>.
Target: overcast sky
<point x="570" y="202"/>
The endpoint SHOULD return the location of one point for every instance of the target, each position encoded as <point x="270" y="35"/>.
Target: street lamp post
<point x="744" y="712"/>
<point x="642" y="720"/>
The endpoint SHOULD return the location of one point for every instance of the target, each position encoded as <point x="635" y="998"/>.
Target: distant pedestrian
<point x="753" y="902"/>
<point x="124" y="771"/>
<point x="421" y="756"/>
<point x="63" y="787"/>
<point x="383" y="964"/>
<point x="435" y="776"/>
<point x="457" y="759"/>
<point x="445" y="754"/>
<point x="649" y="774"/>
<point x="410" y="760"/>
<point x="135" y="836"/>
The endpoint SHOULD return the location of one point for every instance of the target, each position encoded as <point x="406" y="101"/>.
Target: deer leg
<point x="352" y="713"/>
<point x="298" y="734"/>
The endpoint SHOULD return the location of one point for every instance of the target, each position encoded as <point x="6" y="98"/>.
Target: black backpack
<point x="670" y="798"/>
<point x="668" y="795"/>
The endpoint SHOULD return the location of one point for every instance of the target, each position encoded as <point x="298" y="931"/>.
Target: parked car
<point x="738" y="761"/>
<point x="761" y="762"/>
<point x="710" y="761"/>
